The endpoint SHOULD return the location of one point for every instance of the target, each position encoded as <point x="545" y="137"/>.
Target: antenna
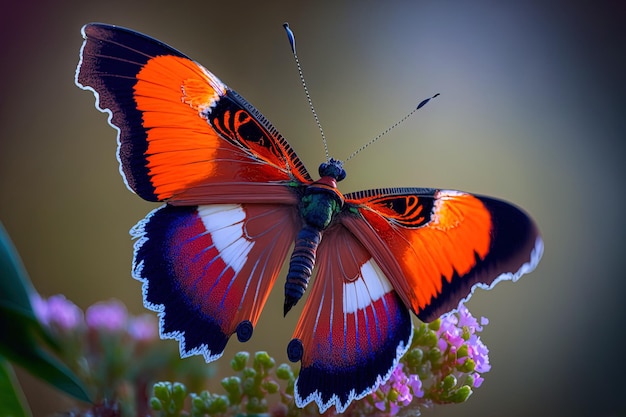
<point x="292" y="42"/>
<point x="419" y="106"/>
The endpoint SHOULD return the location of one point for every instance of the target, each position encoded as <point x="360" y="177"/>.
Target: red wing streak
<point x="437" y="245"/>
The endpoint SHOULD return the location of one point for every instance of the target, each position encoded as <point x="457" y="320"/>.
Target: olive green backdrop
<point x="531" y="110"/>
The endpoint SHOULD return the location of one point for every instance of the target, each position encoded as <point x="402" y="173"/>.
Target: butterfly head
<point x="333" y="168"/>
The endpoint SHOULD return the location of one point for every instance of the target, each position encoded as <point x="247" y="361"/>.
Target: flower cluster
<point x="58" y="312"/>
<point x="117" y="355"/>
<point x="457" y="335"/>
<point x="246" y="391"/>
<point x="398" y="392"/>
<point x="62" y="315"/>
<point x="443" y="365"/>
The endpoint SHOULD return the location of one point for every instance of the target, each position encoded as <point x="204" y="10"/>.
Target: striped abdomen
<point x="301" y="265"/>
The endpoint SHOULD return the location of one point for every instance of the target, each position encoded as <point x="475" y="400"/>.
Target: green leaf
<point x="15" y="290"/>
<point x="12" y="401"/>
<point x="21" y="347"/>
<point x="15" y="287"/>
<point x="23" y="330"/>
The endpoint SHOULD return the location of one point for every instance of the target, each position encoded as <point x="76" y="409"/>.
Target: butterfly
<point x="237" y="198"/>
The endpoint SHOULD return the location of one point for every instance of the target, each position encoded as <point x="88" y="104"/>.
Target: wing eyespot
<point x="244" y="331"/>
<point x="295" y="350"/>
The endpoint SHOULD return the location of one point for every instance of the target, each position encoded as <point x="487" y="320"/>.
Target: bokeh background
<point x="533" y="96"/>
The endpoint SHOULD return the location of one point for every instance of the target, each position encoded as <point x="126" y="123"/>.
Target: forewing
<point x="207" y="270"/>
<point x="354" y="327"/>
<point x="436" y="246"/>
<point x="183" y="136"/>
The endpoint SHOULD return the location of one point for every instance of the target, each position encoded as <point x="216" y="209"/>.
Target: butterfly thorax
<point x="319" y="204"/>
<point x="321" y="201"/>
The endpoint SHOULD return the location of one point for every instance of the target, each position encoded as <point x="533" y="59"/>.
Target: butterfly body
<point x="318" y="206"/>
<point x="236" y="199"/>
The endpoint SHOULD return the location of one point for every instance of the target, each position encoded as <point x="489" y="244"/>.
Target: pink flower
<point x="450" y="333"/>
<point x="404" y="387"/>
<point x="479" y="353"/>
<point x="466" y="319"/>
<point x="449" y="375"/>
<point x="416" y="386"/>
<point x="107" y="315"/>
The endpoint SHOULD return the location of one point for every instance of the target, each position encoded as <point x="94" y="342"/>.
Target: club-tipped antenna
<point x="292" y="42"/>
<point x="393" y="126"/>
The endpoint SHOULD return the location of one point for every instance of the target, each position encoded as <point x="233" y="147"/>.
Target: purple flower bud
<point x="479" y="353"/>
<point x="381" y="405"/>
<point x="40" y="307"/>
<point x="143" y="328"/>
<point x="478" y="380"/>
<point x="57" y="311"/>
<point x="107" y="315"/>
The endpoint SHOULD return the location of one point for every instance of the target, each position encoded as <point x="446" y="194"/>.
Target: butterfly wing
<point x="207" y="270"/>
<point x="354" y="327"/>
<point x="183" y="135"/>
<point x="436" y="246"/>
<point x="209" y="257"/>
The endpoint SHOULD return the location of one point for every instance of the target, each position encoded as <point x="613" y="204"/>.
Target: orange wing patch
<point x="200" y="138"/>
<point x="171" y="92"/>
<point x="458" y="231"/>
<point x="421" y="240"/>
<point x="460" y="218"/>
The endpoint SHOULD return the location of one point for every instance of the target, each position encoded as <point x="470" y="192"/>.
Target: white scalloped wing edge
<point x="526" y="268"/>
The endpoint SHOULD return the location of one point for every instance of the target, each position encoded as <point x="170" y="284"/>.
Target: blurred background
<point x="531" y="110"/>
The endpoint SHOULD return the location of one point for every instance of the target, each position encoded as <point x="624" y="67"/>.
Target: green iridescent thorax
<point x="319" y="205"/>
